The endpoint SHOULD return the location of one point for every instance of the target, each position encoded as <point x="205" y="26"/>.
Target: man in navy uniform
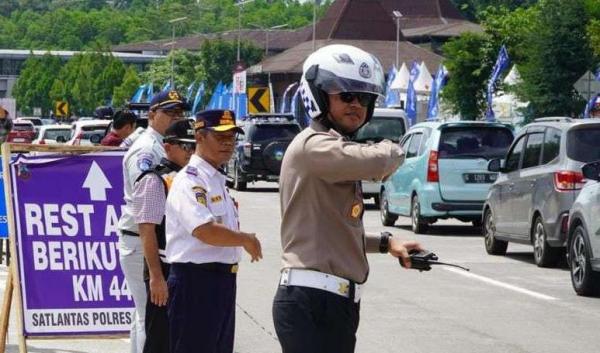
<point x="204" y="243"/>
<point x="165" y="108"/>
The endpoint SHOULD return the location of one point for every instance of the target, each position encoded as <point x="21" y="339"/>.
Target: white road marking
<point x="500" y="284"/>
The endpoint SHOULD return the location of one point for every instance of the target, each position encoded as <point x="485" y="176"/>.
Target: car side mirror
<point x="495" y="165"/>
<point x="591" y="171"/>
<point x="61" y="139"/>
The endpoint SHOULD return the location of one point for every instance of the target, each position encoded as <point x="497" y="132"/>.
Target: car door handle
<point x="510" y="186"/>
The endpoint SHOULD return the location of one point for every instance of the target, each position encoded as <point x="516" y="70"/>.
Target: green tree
<point x="123" y="92"/>
<point x="469" y="68"/>
<point x="34" y="83"/>
<point x="557" y="54"/>
<point x="187" y="68"/>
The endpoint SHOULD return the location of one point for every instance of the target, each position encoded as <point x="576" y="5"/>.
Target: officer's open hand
<point x="159" y="293"/>
<point x="253" y="247"/>
<point x="400" y="249"/>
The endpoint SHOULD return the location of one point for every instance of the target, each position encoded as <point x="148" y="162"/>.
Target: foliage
<point x="35" y="82"/>
<point x="123" y="92"/>
<point x="475" y="9"/>
<point x="557" y="53"/>
<point x="469" y="69"/>
<point x="81" y="24"/>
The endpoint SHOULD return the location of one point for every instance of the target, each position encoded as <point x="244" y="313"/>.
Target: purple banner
<point x="67" y="210"/>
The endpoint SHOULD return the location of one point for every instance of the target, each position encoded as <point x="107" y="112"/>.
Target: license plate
<point x="18" y="139"/>
<point x="479" y="178"/>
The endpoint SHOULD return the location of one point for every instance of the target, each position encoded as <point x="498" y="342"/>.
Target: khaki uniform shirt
<point x="321" y="200"/>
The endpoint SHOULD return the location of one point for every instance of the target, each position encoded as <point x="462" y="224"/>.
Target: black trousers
<point x="157" y="322"/>
<point x="201" y="308"/>
<point x="309" y="320"/>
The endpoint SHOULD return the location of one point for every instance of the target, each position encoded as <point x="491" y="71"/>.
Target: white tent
<point x="513" y="77"/>
<point x="424" y="80"/>
<point x="401" y="80"/>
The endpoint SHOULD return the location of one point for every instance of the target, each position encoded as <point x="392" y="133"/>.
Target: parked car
<point x="37" y="122"/>
<point x="53" y="134"/>
<point x="259" y="152"/>
<point x="88" y="132"/>
<point x="537" y="185"/>
<point x="444" y="174"/>
<point x="385" y="124"/>
<point x="23" y="131"/>
<point x="583" y="242"/>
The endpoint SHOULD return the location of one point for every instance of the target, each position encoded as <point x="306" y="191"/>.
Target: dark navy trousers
<point x="309" y="320"/>
<point x="201" y="308"/>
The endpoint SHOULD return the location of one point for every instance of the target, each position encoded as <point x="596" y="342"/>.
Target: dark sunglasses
<point x="364" y="99"/>
<point x="186" y="146"/>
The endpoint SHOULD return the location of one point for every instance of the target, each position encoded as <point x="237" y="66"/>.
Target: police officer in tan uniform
<point x="316" y="307"/>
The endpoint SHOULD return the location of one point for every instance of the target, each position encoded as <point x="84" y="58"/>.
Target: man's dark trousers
<point x="309" y="320"/>
<point x="157" y="322"/>
<point x="201" y="308"/>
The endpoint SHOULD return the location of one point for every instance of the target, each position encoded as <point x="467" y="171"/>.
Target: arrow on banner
<point x="97" y="182"/>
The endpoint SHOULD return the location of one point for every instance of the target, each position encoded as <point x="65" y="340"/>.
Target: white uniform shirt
<point x="145" y="153"/>
<point x="199" y="196"/>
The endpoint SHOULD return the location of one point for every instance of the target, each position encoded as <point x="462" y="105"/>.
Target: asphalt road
<point x="504" y="304"/>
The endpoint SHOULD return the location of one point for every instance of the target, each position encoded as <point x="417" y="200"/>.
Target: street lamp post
<point x="267" y="30"/>
<point x="314" y="24"/>
<point x="173" y="22"/>
<point x="239" y="5"/>
<point x="397" y="16"/>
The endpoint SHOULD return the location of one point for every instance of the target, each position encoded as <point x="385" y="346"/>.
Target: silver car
<point x="583" y="242"/>
<point x="537" y="184"/>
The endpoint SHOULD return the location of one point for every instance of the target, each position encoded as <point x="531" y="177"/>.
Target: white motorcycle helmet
<point x="339" y="68"/>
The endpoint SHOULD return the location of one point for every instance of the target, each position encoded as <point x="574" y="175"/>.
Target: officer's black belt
<point x="130" y="233"/>
<point x="209" y="266"/>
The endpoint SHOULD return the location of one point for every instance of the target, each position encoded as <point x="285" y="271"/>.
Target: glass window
<point x="512" y="161"/>
<point x="551" y="145"/>
<point x="474" y="142"/>
<point x="267" y="132"/>
<point x="413" y="148"/>
<point x="533" y="150"/>
<point x="380" y="128"/>
<point x="583" y="144"/>
<point x="404" y="142"/>
<point x="54" y="133"/>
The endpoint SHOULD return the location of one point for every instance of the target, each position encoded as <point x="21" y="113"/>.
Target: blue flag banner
<point x="501" y="64"/>
<point x="411" y="95"/>
<point x="241" y="105"/>
<point x="438" y="83"/>
<point x="137" y="97"/>
<point x="166" y="86"/>
<point x="392" y="98"/>
<point x="283" y="105"/>
<point x="149" y="92"/>
<point x="198" y="98"/>
<point x="214" y="100"/>
<point x="589" y="106"/>
<point x="598" y="75"/>
<point x="190" y="91"/>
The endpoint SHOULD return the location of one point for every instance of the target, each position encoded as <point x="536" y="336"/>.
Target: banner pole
<point x="5" y="313"/>
<point x="12" y="236"/>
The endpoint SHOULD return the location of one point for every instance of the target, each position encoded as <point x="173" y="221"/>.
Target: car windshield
<point x="54" y="133"/>
<point x="380" y="128"/>
<point x="266" y="132"/>
<point x="93" y="127"/>
<point x="37" y="122"/>
<point x="583" y="144"/>
<point x="22" y="127"/>
<point x="88" y="134"/>
<point x="485" y="142"/>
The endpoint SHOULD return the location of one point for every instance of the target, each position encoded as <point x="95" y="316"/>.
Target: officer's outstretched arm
<point x="215" y="234"/>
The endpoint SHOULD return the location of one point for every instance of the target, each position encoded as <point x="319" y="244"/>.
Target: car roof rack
<point x="559" y="119"/>
<point x="269" y="117"/>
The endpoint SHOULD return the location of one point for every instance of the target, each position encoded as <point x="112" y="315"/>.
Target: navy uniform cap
<point x="181" y="131"/>
<point x="168" y="100"/>
<point x="217" y="120"/>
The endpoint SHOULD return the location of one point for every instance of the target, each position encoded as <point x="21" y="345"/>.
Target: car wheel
<point x="493" y="246"/>
<point x="419" y="225"/>
<point x="585" y="281"/>
<point x="387" y="218"/>
<point x="237" y="183"/>
<point x="543" y="254"/>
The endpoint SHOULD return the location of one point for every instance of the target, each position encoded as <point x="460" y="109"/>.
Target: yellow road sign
<point x="258" y="100"/>
<point x="61" y="108"/>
